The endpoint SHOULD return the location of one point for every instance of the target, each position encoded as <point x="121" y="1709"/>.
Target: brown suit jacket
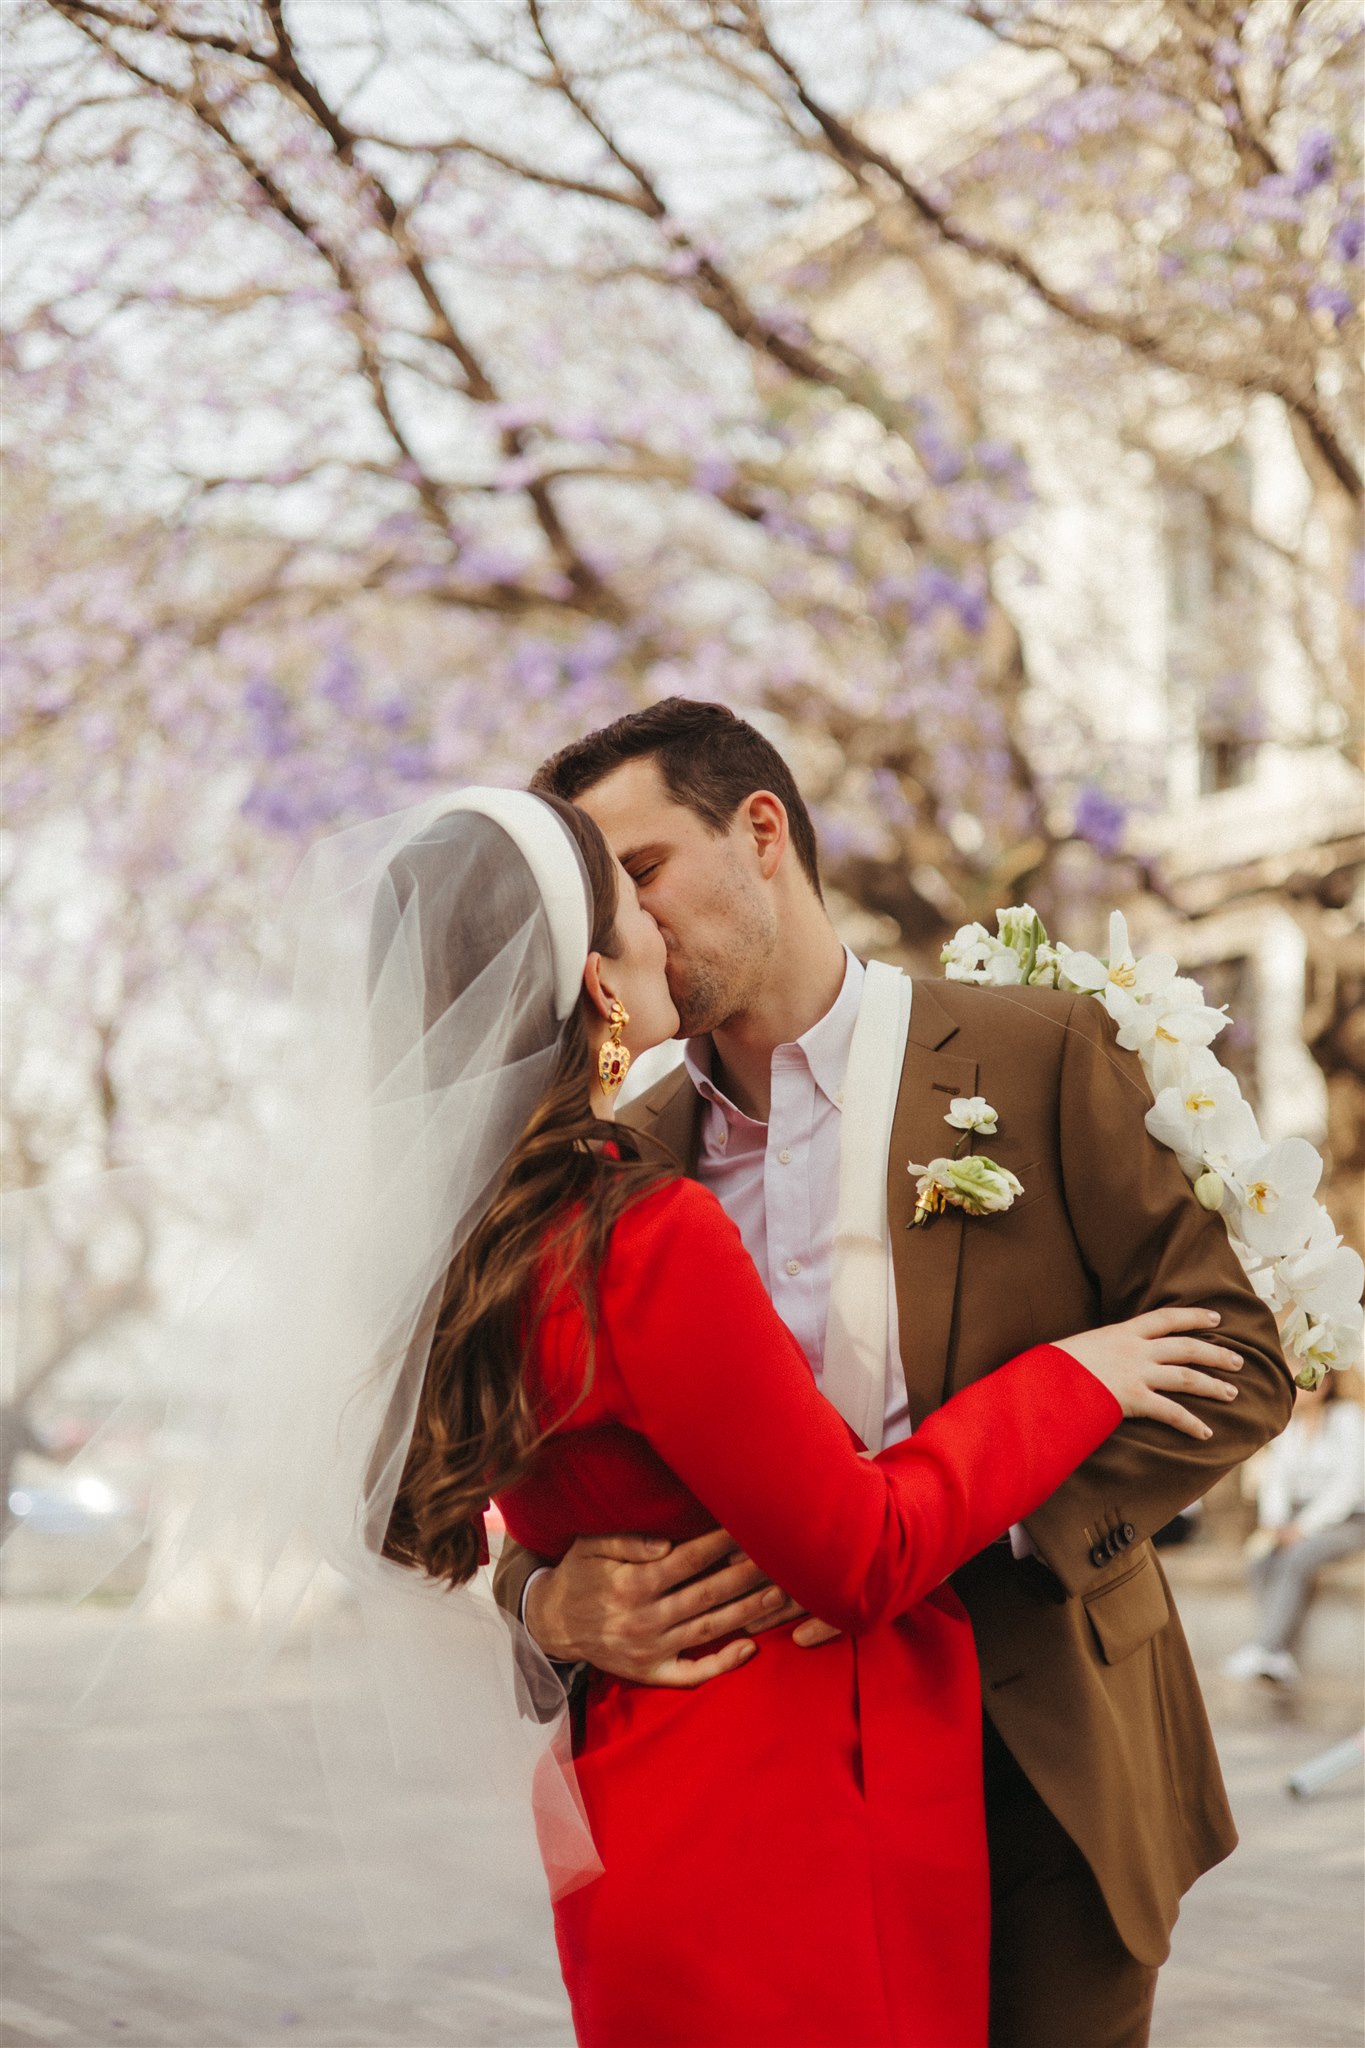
<point x="1085" y="1668"/>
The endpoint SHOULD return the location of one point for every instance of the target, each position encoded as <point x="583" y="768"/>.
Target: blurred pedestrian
<point x="1310" y="1510"/>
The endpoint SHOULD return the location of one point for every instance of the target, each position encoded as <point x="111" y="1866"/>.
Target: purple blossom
<point x="1270" y="199"/>
<point x="484" y="564"/>
<point x="535" y="667"/>
<point x="596" y="650"/>
<point x="1348" y="237"/>
<point x="1330" y="298"/>
<point x="940" y="458"/>
<point x="1317" y="154"/>
<point x="410" y="762"/>
<point x="715" y="474"/>
<point x="339" y="682"/>
<point x="1100" y="819"/>
<point x="266" y="700"/>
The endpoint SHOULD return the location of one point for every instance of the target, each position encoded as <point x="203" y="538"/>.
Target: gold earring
<point x="612" y="1058"/>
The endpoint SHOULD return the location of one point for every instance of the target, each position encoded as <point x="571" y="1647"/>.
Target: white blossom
<point x="1326" y="1277"/>
<point x="1283" y="1237"/>
<point x="1204" y="1119"/>
<point x="1122" y="979"/>
<point x="972" y="1113"/>
<point x="1048" y="965"/>
<point x="1274" y="1195"/>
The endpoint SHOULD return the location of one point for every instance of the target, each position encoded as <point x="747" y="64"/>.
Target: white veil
<point x="432" y="960"/>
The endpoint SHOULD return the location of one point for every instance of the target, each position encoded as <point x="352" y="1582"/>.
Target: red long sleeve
<point x="713" y="1378"/>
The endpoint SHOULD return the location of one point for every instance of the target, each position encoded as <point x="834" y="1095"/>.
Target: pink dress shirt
<point x="779" y="1182"/>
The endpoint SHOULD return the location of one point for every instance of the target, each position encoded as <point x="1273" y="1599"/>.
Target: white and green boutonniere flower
<point x="974" y="1184"/>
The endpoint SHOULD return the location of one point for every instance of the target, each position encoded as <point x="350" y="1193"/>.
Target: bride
<point x="464" y="1282"/>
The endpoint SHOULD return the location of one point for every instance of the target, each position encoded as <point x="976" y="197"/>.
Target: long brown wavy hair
<point x="553" y="1209"/>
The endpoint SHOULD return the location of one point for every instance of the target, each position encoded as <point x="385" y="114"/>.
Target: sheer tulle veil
<point x="431" y="960"/>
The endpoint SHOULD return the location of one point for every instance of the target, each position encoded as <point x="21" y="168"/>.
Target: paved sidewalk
<point x="1269" y="1951"/>
<point x="122" y="1930"/>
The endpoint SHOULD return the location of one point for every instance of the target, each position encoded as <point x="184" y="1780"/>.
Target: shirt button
<point x="793" y="1267"/>
<point x="785" y="1156"/>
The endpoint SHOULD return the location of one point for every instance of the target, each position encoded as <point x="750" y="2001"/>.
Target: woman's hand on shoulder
<point x="1151" y="1357"/>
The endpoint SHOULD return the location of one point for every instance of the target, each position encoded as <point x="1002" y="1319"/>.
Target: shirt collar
<point x="824" y="1048"/>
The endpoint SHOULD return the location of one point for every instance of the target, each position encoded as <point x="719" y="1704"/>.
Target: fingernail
<point x="749" y="1650"/>
<point x="1207" y="1430"/>
<point x="774" y="1597"/>
<point x="1230" y="1393"/>
<point x="1214" y="1316"/>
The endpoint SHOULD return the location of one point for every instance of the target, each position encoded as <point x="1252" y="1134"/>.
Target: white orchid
<point x="1122" y="978"/>
<point x="1203" y="1118"/>
<point x="1282" y="1236"/>
<point x="1326" y="1277"/>
<point x="1323" y="1347"/>
<point x="1166" y="1025"/>
<point x="1048" y="965"/>
<point x="1021" y="929"/>
<point x="973" y="1113"/>
<point x="1274" y="1194"/>
<point x="973" y="954"/>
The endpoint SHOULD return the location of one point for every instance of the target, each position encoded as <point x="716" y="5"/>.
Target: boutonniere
<point x="974" y="1184"/>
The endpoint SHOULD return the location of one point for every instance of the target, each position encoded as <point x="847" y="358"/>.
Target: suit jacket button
<point x="1099" y="1555"/>
<point x="1128" y="1533"/>
<point x="1113" y="1542"/>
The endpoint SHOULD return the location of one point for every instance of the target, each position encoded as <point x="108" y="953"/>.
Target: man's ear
<point x="767" y="819"/>
<point x="601" y="998"/>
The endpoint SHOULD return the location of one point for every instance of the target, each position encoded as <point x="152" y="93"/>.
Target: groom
<point x="1104" y="1799"/>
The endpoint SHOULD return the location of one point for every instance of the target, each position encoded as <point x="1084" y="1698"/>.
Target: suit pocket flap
<point x="1126" y="1615"/>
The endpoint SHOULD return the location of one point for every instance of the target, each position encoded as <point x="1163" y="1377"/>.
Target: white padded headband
<point x="549" y="852"/>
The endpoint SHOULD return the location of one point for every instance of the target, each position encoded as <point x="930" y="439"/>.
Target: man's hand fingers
<point x="716" y="1589"/>
<point x="736" y="1615"/>
<point x="626" y="1549"/>
<point x="686" y="1673"/>
<point x="812" y="1633"/>
<point x="774" y="1618"/>
<point x="685" y="1560"/>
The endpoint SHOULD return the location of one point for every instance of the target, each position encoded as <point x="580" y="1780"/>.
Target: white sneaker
<point x="1248" y="1662"/>
<point x="1279" y="1665"/>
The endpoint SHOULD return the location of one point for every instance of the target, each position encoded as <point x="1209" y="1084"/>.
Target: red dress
<point x="794" y="1853"/>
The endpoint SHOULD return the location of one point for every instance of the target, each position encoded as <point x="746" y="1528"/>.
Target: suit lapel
<point x="925" y="1259"/>
<point x="671" y="1112"/>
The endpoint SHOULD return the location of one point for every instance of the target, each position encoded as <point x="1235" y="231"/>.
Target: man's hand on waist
<point x="638" y="1607"/>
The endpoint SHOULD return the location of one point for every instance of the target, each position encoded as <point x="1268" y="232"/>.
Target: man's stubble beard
<point x="717" y="989"/>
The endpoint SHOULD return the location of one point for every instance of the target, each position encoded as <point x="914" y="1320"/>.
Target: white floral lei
<point x="1265" y="1193"/>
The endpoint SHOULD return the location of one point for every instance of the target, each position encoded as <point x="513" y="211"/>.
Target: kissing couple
<point x="962" y="1799"/>
<point x="828" y="1516"/>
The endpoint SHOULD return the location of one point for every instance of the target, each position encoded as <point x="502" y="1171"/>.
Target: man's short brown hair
<point x="710" y="761"/>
